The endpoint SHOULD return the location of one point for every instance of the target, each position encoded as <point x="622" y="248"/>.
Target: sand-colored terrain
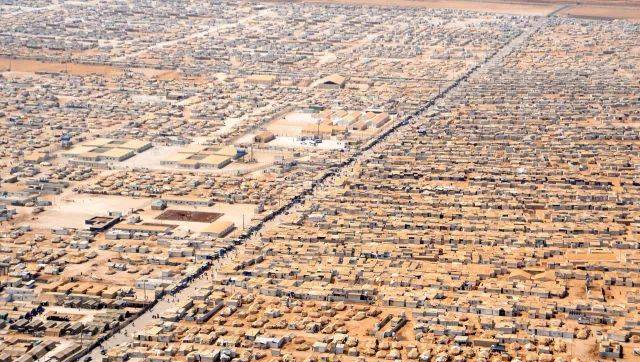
<point x="72" y="213"/>
<point x="602" y="12"/>
<point x="34" y="66"/>
<point x="630" y="3"/>
<point x="471" y="195"/>
<point x="24" y="65"/>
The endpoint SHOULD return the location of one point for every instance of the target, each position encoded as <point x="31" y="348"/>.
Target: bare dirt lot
<point x="602" y="12"/>
<point x="34" y="66"/>
<point x="193" y="216"/>
<point x="239" y="214"/>
<point x="292" y="124"/>
<point x="25" y="65"/>
<point x="72" y="212"/>
<point x="584" y="2"/>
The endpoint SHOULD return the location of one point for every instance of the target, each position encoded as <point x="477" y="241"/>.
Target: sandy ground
<point x="72" y="212"/>
<point x="31" y="66"/>
<point x="291" y="124"/>
<point x="602" y="12"/>
<point x="151" y="158"/>
<point x="589" y="2"/>
<point x="230" y="212"/>
<point x="245" y="139"/>
<point x="23" y="65"/>
<point x="86" y="315"/>
<point x="262" y="159"/>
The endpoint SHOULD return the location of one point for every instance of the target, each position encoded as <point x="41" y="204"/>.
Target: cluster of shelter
<point x="168" y="163"/>
<point x="501" y="225"/>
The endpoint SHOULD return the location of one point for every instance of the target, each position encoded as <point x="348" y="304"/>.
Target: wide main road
<point x="146" y="320"/>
